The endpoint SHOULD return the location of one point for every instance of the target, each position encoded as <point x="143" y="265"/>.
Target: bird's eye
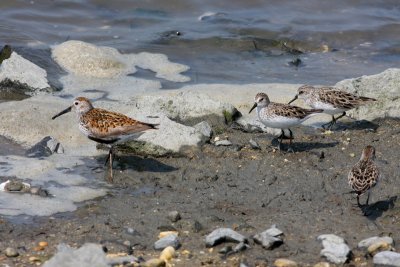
<point x="76" y="103"/>
<point x="301" y="92"/>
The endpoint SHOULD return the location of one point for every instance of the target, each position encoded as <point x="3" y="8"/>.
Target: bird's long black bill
<point x="62" y="112"/>
<point x="253" y="107"/>
<point x="294" y="99"/>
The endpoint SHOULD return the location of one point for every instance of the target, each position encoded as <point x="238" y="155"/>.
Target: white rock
<point x="106" y="70"/>
<point x="223" y="143"/>
<point x="204" y="128"/>
<point x="222" y="235"/>
<point x="389" y="258"/>
<point x="182" y="105"/>
<point x="383" y="86"/>
<point x="335" y="249"/>
<point x="171" y="137"/>
<point x="375" y="239"/>
<point x="86" y="256"/>
<point x="21" y="70"/>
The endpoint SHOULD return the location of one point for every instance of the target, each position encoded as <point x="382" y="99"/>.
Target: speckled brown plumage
<point x="364" y="174"/>
<point x="284" y="110"/>
<point x="101" y="123"/>
<point x="341" y="99"/>
<point x="104" y="126"/>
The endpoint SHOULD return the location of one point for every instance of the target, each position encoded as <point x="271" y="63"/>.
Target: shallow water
<point x="240" y="42"/>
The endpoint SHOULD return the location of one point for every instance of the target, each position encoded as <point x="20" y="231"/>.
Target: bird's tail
<point x="311" y="111"/>
<point x="367" y="99"/>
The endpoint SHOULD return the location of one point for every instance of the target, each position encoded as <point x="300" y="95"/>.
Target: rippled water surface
<point x="239" y="41"/>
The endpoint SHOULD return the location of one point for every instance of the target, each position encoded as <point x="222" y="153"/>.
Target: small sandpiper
<point x="365" y="174"/>
<point x="105" y="126"/>
<point x="331" y="100"/>
<point x="280" y="116"/>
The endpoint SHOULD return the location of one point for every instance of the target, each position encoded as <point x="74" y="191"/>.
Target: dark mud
<point x="304" y="193"/>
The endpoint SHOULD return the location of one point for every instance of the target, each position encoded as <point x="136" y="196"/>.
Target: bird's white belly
<point x="328" y="108"/>
<point x="280" y="122"/>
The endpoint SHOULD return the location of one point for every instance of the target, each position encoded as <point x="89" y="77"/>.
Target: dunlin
<point x="331" y="100"/>
<point x="104" y="126"/>
<point x="365" y="174"/>
<point x="280" y="116"/>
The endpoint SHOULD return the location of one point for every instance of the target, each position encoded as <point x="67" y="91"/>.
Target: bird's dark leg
<point x="343" y="114"/>
<point x="367" y="198"/>
<point x="110" y="159"/>
<point x="290" y="149"/>
<point x="280" y="138"/>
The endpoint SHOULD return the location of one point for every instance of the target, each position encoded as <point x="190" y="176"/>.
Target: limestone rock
<point x="385" y="87"/>
<point x="86" y="256"/>
<point x="45" y="148"/>
<point x="335" y="249"/>
<point x="186" y="106"/>
<point x="19" y="74"/>
<point x="387" y="258"/>
<point x="370" y="241"/>
<point x="169" y="240"/>
<point x="223" y="234"/>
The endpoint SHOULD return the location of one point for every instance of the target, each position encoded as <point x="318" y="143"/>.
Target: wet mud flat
<point x="304" y="193"/>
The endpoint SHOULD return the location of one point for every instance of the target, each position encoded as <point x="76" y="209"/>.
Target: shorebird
<point x="280" y="116"/>
<point x="331" y="100"/>
<point x="365" y="174"/>
<point x="103" y="126"/>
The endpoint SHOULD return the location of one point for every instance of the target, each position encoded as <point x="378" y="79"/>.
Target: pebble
<point x="169" y="240"/>
<point x="45" y="148"/>
<point x="226" y="250"/>
<point x="154" y="263"/>
<point x="285" y="263"/>
<point x="240" y="247"/>
<point x="273" y="231"/>
<point x="167" y="254"/>
<point x="204" y="128"/>
<point x="375" y="239"/>
<point x="34" y="259"/>
<point x="389" y="258"/>
<point x="11" y="252"/>
<point x="43" y="244"/>
<point x="378" y="247"/>
<point x="322" y="264"/>
<point x="174" y="216"/>
<point x="267" y="241"/>
<point x="223" y="234"/>
<point x="223" y="143"/>
<point x="335" y="249"/>
<point x="165" y="233"/>
<point x="254" y="144"/>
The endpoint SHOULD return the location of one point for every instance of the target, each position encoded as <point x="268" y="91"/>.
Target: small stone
<point x="38" y="248"/>
<point x="154" y="263"/>
<point x="167" y="254"/>
<point x="267" y="241"/>
<point x="43" y="244"/>
<point x="223" y="143"/>
<point x="204" y="128"/>
<point x="34" y="259"/>
<point x="14" y="186"/>
<point x="127" y="243"/>
<point x="165" y="233"/>
<point x="389" y="258"/>
<point x="174" y="216"/>
<point x="285" y="263"/>
<point x="226" y="250"/>
<point x="45" y="148"/>
<point x="273" y="231"/>
<point x="335" y="249"/>
<point x="223" y="234"/>
<point x="11" y="252"/>
<point x="254" y="144"/>
<point x="322" y="264"/>
<point x="131" y="231"/>
<point x="375" y="239"/>
<point x="378" y="247"/>
<point x="240" y="247"/>
<point x="169" y="240"/>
